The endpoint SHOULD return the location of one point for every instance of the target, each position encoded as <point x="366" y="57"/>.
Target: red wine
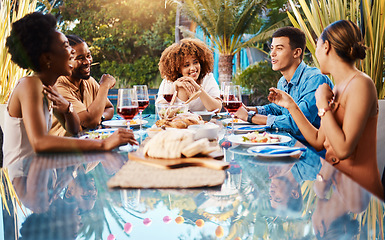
<point x="231" y="97"/>
<point x="232" y="107"/>
<point x="128" y="113"/>
<point x="143" y="104"/>
<point x="168" y="97"/>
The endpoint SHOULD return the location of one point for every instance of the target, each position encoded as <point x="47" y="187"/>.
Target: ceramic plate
<point x="98" y="134"/>
<point x="236" y="121"/>
<point x="123" y="123"/>
<point x="101" y="134"/>
<point x="239" y="139"/>
<point x="255" y="151"/>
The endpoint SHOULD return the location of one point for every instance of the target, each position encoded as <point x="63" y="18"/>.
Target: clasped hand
<point x="59" y="103"/>
<point x="188" y="84"/>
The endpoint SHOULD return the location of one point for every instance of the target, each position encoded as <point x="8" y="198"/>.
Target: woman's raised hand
<point x="119" y="137"/>
<point x="324" y="95"/>
<point x="280" y="98"/>
<point x="59" y="103"/>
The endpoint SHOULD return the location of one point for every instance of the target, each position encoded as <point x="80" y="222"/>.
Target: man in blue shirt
<point x="299" y="81"/>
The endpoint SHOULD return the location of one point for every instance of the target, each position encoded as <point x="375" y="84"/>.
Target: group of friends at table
<point x="331" y="119"/>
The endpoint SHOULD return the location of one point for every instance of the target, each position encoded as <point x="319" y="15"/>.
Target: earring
<point x="48" y="65"/>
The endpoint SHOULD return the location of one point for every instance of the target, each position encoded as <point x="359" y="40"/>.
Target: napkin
<point x="251" y="128"/>
<point x="272" y="150"/>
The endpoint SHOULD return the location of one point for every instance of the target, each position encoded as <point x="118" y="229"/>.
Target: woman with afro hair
<point x="188" y="65"/>
<point x="35" y="44"/>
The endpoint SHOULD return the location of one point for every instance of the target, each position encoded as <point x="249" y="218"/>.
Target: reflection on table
<point x="65" y="196"/>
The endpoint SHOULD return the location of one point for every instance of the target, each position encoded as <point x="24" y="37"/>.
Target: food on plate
<point x="256" y="137"/>
<point x="182" y="120"/>
<point x="98" y="135"/>
<point x="175" y="143"/>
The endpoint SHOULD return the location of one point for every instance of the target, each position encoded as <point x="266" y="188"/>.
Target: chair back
<point x="381" y="136"/>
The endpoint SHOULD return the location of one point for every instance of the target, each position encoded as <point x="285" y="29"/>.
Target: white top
<point x="16" y="143"/>
<point x="208" y="84"/>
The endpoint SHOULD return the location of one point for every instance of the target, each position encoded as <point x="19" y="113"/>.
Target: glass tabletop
<point x="65" y="196"/>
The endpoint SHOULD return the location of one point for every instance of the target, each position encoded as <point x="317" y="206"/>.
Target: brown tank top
<point x="361" y="166"/>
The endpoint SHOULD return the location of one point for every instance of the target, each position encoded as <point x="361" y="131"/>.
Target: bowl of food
<point x="207" y="130"/>
<point x="167" y="111"/>
<point x="206" y="116"/>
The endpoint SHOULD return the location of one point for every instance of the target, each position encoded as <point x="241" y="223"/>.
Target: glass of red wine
<point x="232" y="101"/>
<point x="127" y="105"/>
<point x="143" y="101"/>
<point x="168" y="90"/>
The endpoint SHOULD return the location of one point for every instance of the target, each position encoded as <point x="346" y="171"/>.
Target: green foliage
<point x="225" y="22"/>
<point x="126" y="37"/>
<point x="258" y="78"/>
<point x="138" y="72"/>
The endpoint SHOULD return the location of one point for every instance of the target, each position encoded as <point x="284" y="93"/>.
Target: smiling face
<point x="61" y="55"/>
<point x="83" y="60"/>
<point x="191" y="67"/>
<point x="283" y="57"/>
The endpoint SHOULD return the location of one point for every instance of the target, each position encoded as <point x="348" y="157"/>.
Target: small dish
<point x="207" y="130"/>
<point x="206" y="116"/>
<point x="165" y="109"/>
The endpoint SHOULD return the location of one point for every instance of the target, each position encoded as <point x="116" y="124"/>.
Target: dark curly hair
<point x="30" y="37"/>
<point x="173" y="58"/>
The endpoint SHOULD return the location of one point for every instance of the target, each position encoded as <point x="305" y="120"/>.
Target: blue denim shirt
<point x="301" y="88"/>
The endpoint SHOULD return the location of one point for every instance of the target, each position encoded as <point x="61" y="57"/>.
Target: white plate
<point x="254" y="151"/>
<point x="122" y="123"/>
<point x="250" y="128"/>
<point x="102" y="132"/>
<point x="99" y="132"/>
<point x="238" y="139"/>
<point x="236" y="121"/>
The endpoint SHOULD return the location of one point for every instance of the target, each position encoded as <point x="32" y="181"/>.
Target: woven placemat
<point x="137" y="175"/>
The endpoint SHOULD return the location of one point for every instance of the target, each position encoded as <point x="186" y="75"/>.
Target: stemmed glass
<point x="168" y="90"/>
<point x="127" y="105"/>
<point x="223" y="86"/>
<point x="143" y="101"/>
<point x="232" y="101"/>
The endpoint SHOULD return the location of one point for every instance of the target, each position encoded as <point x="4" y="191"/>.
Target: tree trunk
<point x="225" y="68"/>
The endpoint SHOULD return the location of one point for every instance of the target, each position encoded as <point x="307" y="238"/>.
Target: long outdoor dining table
<point x="65" y="196"/>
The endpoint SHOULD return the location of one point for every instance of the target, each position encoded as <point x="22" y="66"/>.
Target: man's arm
<point x="108" y="110"/>
<point x="92" y="116"/>
<point x="307" y="104"/>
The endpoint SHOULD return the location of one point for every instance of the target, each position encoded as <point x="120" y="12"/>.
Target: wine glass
<point x="168" y="90"/>
<point x="223" y="86"/>
<point x="232" y="101"/>
<point x="127" y="105"/>
<point x="143" y="101"/>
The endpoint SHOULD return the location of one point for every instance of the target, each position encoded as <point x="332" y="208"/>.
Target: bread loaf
<point x="168" y="144"/>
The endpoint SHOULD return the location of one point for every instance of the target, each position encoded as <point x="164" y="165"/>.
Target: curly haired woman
<point x="348" y="113"/>
<point x="188" y="64"/>
<point x="35" y="44"/>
